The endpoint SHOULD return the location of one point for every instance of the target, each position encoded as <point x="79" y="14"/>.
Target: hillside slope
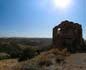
<point x="55" y="60"/>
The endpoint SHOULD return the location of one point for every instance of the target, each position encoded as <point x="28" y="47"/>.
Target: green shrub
<point x="45" y="48"/>
<point x="28" y="53"/>
<point x="4" y="56"/>
<point x="11" y="49"/>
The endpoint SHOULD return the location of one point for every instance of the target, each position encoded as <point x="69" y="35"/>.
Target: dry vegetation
<point x="8" y="64"/>
<point x="53" y="59"/>
<point x="50" y="60"/>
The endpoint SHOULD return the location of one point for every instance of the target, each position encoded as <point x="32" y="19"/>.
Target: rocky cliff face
<point x="68" y="35"/>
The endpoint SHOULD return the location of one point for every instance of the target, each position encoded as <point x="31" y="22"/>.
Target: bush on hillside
<point x="28" y="53"/>
<point x="4" y="56"/>
<point x="11" y="49"/>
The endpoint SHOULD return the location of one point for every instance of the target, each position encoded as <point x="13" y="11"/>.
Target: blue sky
<point x="36" y="18"/>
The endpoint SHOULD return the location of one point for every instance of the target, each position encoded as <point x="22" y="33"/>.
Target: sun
<point x="62" y="3"/>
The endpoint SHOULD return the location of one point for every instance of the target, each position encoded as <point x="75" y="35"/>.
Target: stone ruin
<point x="68" y="35"/>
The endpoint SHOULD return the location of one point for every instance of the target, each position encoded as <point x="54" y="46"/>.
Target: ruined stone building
<point x="68" y="35"/>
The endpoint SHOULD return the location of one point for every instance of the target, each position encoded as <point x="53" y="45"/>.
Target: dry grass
<point x="48" y="61"/>
<point x="9" y="64"/>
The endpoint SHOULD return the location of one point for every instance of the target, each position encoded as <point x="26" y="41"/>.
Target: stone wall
<point x="68" y="35"/>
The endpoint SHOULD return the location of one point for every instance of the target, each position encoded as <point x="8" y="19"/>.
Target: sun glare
<point x="62" y="3"/>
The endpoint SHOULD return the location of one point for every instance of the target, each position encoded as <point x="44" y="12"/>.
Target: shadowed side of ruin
<point x="68" y="35"/>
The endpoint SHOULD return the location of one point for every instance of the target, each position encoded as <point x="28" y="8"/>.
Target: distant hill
<point x="16" y="46"/>
<point x="34" y="42"/>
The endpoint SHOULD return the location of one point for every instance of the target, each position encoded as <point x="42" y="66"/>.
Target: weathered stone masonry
<point x="68" y="35"/>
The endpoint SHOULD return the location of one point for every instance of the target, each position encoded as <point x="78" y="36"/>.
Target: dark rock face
<point x="68" y="35"/>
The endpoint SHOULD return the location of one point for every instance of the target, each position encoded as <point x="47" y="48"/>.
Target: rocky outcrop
<point x="68" y="35"/>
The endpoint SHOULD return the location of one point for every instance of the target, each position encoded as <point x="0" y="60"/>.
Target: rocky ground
<point x="53" y="61"/>
<point x="75" y="62"/>
<point x="48" y="61"/>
